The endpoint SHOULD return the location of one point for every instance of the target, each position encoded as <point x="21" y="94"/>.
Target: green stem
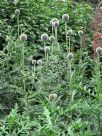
<point x="81" y="49"/>
<point x="69" y="43"/>
<point x="23" y="69"/>
<point x="18" y="24"/>
<point x="33" y="75"/>
<point x="66" y="36"/>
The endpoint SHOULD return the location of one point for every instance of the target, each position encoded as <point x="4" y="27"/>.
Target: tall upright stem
<point x="69" y="43"/>
<point x="18" y="24"/>
<point x="66" y="36"/>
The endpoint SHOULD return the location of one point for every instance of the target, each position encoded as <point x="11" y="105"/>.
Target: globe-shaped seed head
<point x="44" y="37"/>
<point x="34" y="62"/>
<point x="47" y="49"/>
<point x="53" y="97"/>
<point x="80" y="33"/>
<point x="65" y="18"/>
<point x="70" y="32"/>
<point x="70" y="56"/>
<point x="17" y="12"/>
<point x="52" y="38"/>
<point x="99" y="51"/>
<point x="23" y="37"/>
<point x="55" y="24"/>
<point x="39" y="62"/>
<point x="53" y="20"/>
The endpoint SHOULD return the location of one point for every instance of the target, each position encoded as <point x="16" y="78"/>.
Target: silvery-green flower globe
<point x="53" y="20"/>
<point x="47" y="49"/>
<point x="17" y="12"/>
<point x="80" y="33"/>
<point x="70" y="56"/>
<point x="23" y="37"/>
<point x="53" y="97"/>
<point x="99" y="51"/>
<point x="55" y="24"/>
<point x="34" y="62"/>
<point x="70" y="32"/>
<point x="44" y="37"/>
<point x="39" y="62"/>
<point x="65" y="18"/>
<point x="52" y="38"/>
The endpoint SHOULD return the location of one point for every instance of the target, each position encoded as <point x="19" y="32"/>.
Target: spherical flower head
<point x="47" y="49"/>
<point x="65" y="18"/>
<point x="53" y="20"/>
<point x="34" y="62"/>
<point x="23" y="37"/>
<point x="70" y="56"/>
<point x="99" y="51"/>
<point x="52" y="38"/>
<point x="17" y="12"/>
<point x="70" y="32"/>
<point x="80" y="33"/>
<point x="53" y="97"/>
<point x="39" y="62"/>
<point x="44" y="37"/>
<point x="55" y="24"/>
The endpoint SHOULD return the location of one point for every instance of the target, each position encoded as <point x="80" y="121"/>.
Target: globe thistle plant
<point x="70" y="58"/>
<point x="69" y="33"/>
<point x="99" y="51"/>
<point x="53" y="20"/>
<point x="39" y="62"/>
<point x="46" y="50"/>
<point x="52" y="39"/>
<point x="34" y="62"/>
<point x="55" y="23"/>
<point x="65" y="19"/>
<point x="23" y="38"/>
<point x="53" y="97"/>
<point x="17" y="12"/>
<point x="44" y="38"/>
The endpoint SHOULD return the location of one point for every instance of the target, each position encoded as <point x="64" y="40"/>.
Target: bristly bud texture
<point x="44" y="37"/>
<point x="53" y="97"/>
<point x="39" y="62"/>
<point x="65" y="18"/>
<point x="23" y="37"/>
<point x="53" y="20"/>
<point x="55" y="24"/>
<point x="34" y="62"/>
<point x="17" y="12"/>
<point x="52" y="38"/>
<point x="70" y="56"/>
<point x="99" y="51"/>
<point x="69" y="32"/>
<point x="80" y="33"/>
<point x="47" y="49"/>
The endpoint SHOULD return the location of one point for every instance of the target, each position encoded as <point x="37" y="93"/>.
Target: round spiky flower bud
<point x="99" y="51"/>
<point x="53" y="97"/>
<point x="70" y="56"/>
<point x="17" y="12"/>
<point x="52" y="38"/>
<point x="23" y="37"/>
<point x="70" y="32"/>
<point x="53" y="20"/>
<point x="34" y="62"/>
<point x="44" y="37"/>
<point x="65" y="18"/>
<point x="39" y="62"/>
<point x="80" y="33"/>
<point x="47" y="49"/>
<point x="55" y="24"/>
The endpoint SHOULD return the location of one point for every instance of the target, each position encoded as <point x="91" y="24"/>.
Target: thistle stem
<point x="66" y="36"/>
<point x="18" y="24"/>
